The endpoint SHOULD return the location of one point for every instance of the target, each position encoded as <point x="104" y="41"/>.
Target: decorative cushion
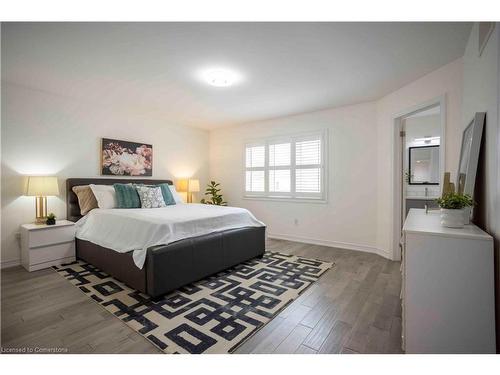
<point x="175" y="195"/>
<point x="167" y="194"/>
<point x="151" y="196"/>
<point x="126" y="196"/>
<point x="105" y="195"/>
<point x="168" y="197"/>
<point x="86" y="198"/>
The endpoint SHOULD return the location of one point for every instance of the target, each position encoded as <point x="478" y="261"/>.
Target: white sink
<point x="422" y="197"/>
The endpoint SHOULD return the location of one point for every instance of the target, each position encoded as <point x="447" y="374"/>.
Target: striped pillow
<point x="86" y="198"/>
<point x="126" y="196"/>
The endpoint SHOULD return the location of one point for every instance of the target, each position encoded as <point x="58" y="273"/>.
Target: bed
<point x="167" y="267"/>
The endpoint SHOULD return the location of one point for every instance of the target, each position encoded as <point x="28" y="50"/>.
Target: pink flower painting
<point x="123" y="158"/>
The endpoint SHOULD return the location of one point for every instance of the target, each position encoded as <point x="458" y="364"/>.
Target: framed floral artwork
<point x="123" y="158"/>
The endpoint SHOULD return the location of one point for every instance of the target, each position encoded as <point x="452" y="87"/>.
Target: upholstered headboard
<point x="72" y="207"/>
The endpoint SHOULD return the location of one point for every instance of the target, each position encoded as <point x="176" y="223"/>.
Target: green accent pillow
<point x="167" y="194"/>
<point x="127" y="196"/>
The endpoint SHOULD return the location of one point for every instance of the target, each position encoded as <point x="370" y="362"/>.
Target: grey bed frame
<point x="171" y="266"/>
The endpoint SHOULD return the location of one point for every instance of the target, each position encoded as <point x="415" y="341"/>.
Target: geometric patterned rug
<point x="214" y="315"/>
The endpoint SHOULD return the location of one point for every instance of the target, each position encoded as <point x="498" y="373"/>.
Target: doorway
<point x="419" y="156"/>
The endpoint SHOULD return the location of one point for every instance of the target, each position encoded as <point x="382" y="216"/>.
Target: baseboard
<point x="329" y="243"/>
<point x="10" y="263"/>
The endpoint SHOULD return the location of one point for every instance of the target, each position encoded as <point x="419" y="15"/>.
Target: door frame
<point x="398" y="162"/>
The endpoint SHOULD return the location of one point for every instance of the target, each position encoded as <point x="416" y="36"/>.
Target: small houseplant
<point x="51" y="219"/>
<point x="213" y="193"/>
<point x="452" y="209"/>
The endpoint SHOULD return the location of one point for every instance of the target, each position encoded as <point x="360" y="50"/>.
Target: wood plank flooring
<point x="353" y="308"/>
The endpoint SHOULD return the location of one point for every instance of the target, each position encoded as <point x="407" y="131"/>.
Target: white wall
<point x="44" y="133"/>
<point x="349" y="217"/>
<point x="481" y="94"/>
<point x="446" y="81"/>
<point x="358" y="214"/>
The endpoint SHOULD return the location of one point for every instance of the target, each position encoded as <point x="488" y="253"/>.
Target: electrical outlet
<point x="296" y="221"/>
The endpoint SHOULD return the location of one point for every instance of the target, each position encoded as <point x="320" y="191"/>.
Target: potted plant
<point x="212" y="192"/>
<point x="452" y="209"/>
<point x="51" y="219"/>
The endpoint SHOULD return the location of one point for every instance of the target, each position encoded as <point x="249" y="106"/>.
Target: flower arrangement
<point x="126" y="158"/>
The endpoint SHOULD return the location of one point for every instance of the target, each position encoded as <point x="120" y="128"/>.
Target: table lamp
<point x="41" y="187"/>
<point x="182" y="185"/>
<point x="182" y="188"/>
<point x="193" y="187"/>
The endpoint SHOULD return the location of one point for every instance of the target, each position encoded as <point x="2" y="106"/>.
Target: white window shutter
<point x="255" y="181"/>
<point x="279" y="180"/>
<point x="279" y="154"/>
<point x="308" y="180"/>
<point x="290" y="167"/>
<point x="255" y="156"/>
<point x="308" y="152"/>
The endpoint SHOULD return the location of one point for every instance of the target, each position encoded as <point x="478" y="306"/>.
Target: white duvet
<point x="137" y="229"/>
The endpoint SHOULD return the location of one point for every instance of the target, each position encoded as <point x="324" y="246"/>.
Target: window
<point x="287" y="167"/>
<point x="255" y="158"/>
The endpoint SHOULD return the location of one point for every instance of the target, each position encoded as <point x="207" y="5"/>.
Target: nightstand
<point x="43" y="246"/>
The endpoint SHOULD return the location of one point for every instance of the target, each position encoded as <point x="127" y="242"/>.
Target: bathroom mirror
<point x="424" y="165"/>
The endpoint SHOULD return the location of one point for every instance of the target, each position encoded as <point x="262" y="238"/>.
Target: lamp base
<point x="41" y="210"/>
<point x="41" y="221"/>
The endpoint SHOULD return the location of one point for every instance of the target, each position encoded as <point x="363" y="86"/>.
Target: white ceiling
<point x="288" y="68"/>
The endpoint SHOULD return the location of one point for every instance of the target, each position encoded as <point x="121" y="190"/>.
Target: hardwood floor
<point x="353" y="308"/>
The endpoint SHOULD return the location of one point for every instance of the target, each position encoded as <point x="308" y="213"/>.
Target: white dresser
<point x="448" y="287"/>
<point x="44" y="246"/>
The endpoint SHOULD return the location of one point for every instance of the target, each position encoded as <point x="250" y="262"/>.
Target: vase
<point x="452" y="218"/>
<point x="467" y="215"/>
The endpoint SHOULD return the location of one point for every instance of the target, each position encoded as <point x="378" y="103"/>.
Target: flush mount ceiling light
<point x="220" y="77"/>
<point x="427" y="139"/>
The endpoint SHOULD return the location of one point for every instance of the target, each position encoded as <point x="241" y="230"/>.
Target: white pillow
<point x="175" y="195"/>
<point x="105" y="195"/>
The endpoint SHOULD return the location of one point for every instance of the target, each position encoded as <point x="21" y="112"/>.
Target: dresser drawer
<point x="50" y="253"/>
<point x="49" y="236"/>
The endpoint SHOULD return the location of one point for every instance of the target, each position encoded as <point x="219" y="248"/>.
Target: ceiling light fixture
<point x="220" y="77"/>
<point x="427" y="139"/>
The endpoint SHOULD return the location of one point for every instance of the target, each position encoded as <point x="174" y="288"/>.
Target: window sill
<point x="291" y="200"/>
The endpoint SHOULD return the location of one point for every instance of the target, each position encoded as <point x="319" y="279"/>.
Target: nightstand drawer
<point x="49" y="236"/>
<point x="50" y="253"/>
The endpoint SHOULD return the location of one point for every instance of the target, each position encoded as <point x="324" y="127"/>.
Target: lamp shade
<point x="42" y="186"/>
<point x="194" y="186"/>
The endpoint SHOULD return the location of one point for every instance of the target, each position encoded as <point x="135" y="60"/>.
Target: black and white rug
<point x="214" y="315"/>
